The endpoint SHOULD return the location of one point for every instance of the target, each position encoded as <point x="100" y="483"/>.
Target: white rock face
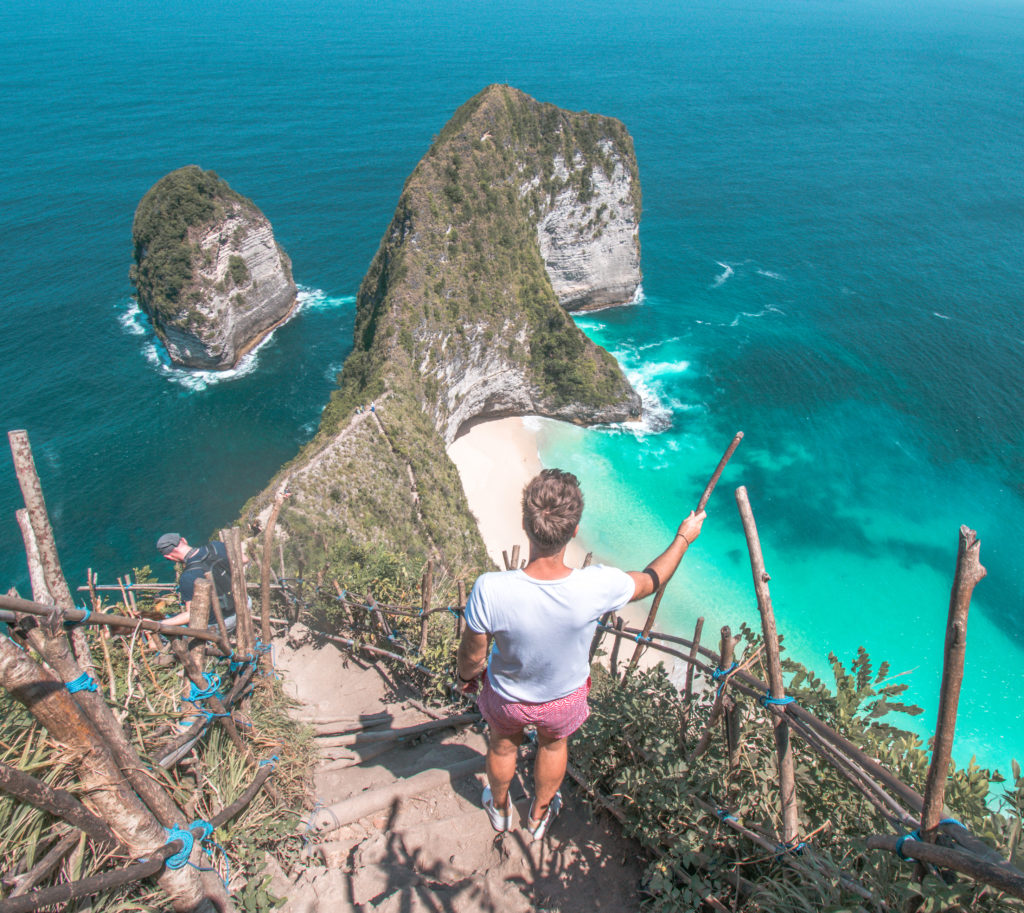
<point x="591" y="249"/>
<point x="481" y="382"/>
<point x="245" y="287"/>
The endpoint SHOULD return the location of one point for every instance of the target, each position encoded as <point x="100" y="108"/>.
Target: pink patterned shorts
<point x="557" y="719"/>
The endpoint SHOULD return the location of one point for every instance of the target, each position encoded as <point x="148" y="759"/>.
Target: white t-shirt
<point x="542" y="628"/>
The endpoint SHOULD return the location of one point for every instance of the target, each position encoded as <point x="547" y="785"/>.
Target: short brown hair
<point x="552" y="507"/>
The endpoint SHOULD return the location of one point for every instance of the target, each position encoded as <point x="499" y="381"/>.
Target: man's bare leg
<point x="548" y="773"/>
<point x="502" y="752"/>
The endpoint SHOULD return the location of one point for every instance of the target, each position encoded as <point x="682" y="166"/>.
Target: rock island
<point x="207" y="269"/>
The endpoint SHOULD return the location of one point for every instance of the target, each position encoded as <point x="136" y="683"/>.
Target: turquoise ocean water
<point x="832" y="234"/>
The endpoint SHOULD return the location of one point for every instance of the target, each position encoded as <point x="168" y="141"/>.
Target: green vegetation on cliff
<point x="457" y="291"/>
<point x="460" y="263"/>
<point x="164" y="256"/>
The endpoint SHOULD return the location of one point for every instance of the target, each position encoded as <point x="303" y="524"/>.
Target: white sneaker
<point x="541" y="828"/>
<point x="500" y="821"/>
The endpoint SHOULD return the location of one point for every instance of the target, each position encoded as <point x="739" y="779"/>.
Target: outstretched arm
<point x="664" y="566"/>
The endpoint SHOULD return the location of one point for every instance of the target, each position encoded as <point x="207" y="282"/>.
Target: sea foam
<point x="722" y="277"/>
<point x="135" y="322"/>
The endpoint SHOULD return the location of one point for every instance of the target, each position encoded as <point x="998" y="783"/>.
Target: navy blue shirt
<point x="196" y="565"/>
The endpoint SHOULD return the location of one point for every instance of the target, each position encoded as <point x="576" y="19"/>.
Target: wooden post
<point x="688" y="693"/>
<point x="199" y="616"/>
<point x="36" y="577"/>
<point x="246" y="635"/>
<point x="505" y="558"/>
<point x="385" y="628"/>
<point x="730" y="709"/>
<point x="218" y="614"/>
<point x="588" y="559"/>
<point x="462" y="609"/>
<point x="515" y="556"/>
<point x="426" y="592"/>
<point x="726" y="650"/>
<point x="595" y="641"/>
<point x="969" y="572"/>
<point x="93" y="601"/>
<point x="268" y="544"/>
<point x="614" y="661"/>
<point x="194" y="674"/>
<point x="105" y="789"/>
<point x="32" y="492"/>
<point x="787" y="776"/>
<point x="348" y="612"/>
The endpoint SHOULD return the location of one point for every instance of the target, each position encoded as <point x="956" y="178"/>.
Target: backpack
<point x="212" y="563"/>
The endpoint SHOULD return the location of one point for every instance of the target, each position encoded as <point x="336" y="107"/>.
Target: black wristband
<point x="466" y="681"/>
<point x="655" y="579"/>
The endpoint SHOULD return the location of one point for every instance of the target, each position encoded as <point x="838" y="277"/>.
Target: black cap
<point x="168" y="542"/>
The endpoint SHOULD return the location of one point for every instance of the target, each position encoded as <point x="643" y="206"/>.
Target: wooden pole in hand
<point x="969" y="572"/>
<point x="701" y="504"/>
<point x="787" y="775"/>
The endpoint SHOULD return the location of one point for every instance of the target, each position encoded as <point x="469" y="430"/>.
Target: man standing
<point x="213" y="558"/>
<point x="542" y="619"/>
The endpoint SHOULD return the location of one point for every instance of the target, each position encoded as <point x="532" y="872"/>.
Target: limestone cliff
<point x="588" y="234"/>
<point x="207" y="269"/>
<point x="518" y="211"/>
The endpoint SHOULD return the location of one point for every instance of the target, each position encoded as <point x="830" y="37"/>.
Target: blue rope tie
<point x="767" y="700"/>
<point x="179" y="859"/>
<point x="272" y="760"/>
<point x="211" y="690"/>
<point x="454" y="612"/>
<point x="913" y="835"/>
<point x="640" y="639"/>
<point x="81" y="621"/>
<point x="210" y="715"/>
<point x="725" y="816"/>
<point x="783" y="848"/>
<point x="719" y="674"/>
<point x="262" y="647"/>
<point x="236" y="665"/>
<point x="207" y="837"/>
<point x="84" y="682"/>
<point x="951" y="821"/>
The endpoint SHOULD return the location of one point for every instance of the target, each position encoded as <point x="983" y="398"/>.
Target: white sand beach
<point x="495" y="460"/>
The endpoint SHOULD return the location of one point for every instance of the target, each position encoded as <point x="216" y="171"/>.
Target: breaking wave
<point x="723" y="276"/>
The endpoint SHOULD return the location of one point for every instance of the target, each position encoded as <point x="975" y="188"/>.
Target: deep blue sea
<point x="832" y="235"/>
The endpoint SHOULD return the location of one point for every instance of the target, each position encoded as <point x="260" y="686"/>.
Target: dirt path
<point x="433" y="851"/>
